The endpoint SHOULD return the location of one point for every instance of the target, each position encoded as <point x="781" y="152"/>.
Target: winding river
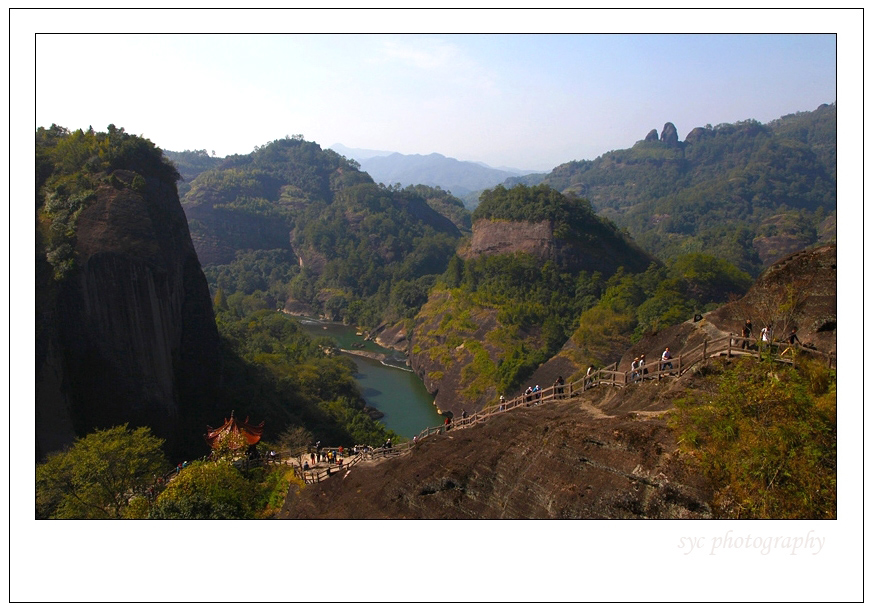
<point x="386" y="382"/>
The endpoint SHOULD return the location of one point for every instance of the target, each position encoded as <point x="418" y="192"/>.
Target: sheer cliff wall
<point x="130" y="335"/>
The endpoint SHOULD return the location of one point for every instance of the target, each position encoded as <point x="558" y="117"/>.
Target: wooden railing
<point x="728" y="345"/>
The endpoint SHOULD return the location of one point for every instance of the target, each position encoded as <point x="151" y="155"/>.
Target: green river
<point x="389" y="385"/>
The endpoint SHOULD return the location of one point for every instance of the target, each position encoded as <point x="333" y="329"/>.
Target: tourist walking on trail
<point x="635" y="374"/>
<point x="528" y="394"/>
<point x="502" y="403"/>
<point x="588" y="381"/>
<point x="665" y="359"/>
<point x="642" y="367"/>
<point x="766" y="334"/>
<point x="747" y="334"/>
<point x="559" y="386"/>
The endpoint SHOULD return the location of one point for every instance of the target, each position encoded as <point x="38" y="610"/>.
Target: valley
<point x="175" y="298"/>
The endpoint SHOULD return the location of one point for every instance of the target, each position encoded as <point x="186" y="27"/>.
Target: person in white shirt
<point x="666" y="357"/>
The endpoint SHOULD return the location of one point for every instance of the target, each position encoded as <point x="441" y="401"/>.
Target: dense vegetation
<point x="191" y="164"/>
<point x="220" y="491"/>
<point x="357" y="251"/>
<point x="746" y="192"/>
<point x="120" y="473"/>
<point x="766" y="437"/>
<point x="99" y="475"/>
<point x="634" y="305"/>
<point x="70" y="166"/>
<point x="279" y="374"/>
<point x="537" y="309"/>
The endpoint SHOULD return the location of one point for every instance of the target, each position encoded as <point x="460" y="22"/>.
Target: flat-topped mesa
<point x="551" y="227"/>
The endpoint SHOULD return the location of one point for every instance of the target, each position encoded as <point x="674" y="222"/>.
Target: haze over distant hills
<point x="435" y="170"/>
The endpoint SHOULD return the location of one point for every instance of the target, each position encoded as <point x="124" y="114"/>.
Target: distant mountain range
<point x="461" y="178"/>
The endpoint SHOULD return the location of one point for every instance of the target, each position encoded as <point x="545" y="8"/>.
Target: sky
<point x="524" y="101"/>
<point x="560" y="90"/>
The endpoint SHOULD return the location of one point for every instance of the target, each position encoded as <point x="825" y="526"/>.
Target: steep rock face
<point x="669" y="135"/>
<point x="131" y="334"/>
<point x="499" y="237"/>
<point x="447" y="353"/>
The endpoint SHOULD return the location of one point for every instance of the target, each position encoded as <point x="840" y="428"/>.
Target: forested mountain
<point x="293" y="221"/>
<point x="748" y="192"/>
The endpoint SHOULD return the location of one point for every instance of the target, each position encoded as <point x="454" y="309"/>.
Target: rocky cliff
<point x="129" y="335"/>
<point x="601" y="252"/>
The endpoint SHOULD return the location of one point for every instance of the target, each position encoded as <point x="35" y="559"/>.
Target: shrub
<point x="766" y="438"/>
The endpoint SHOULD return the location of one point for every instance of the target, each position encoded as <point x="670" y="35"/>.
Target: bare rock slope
<point x="560" y="460"/>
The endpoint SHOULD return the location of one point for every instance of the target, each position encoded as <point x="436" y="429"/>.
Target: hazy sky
<point x="526" y="101"/>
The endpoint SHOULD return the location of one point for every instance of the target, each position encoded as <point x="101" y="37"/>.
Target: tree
<point x="296" y="440"/>
<point x="99" y="475"/>
<point x="211" y="490"/>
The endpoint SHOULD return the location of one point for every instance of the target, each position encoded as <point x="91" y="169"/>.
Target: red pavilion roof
<point x="237" y="430"/>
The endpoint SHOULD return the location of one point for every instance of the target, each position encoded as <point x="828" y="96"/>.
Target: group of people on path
<point x="330" y="457"/>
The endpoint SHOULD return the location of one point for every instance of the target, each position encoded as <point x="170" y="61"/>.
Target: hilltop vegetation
<point x="119" y="473"/>
<point x="747" y="192"/>
<point x="70" y="166"/>
<point x="292" y="225"/>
